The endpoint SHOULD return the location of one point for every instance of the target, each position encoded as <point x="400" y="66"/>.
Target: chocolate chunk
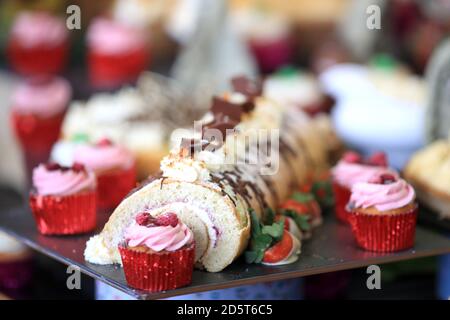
<point x="222" y="123"/>
<point x="226" y="108"/>
<point x="247" y="86"/>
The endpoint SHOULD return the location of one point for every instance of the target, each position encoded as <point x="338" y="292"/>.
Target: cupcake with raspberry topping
<point x="383" y="213"/>
<point x="352" y="168"/>
<point x="38" y="106"/>
<point x="38" y="43"/>
<point x="114" y="167"/>
<point x="157" y="253"/>
<point x="63" y="199"/>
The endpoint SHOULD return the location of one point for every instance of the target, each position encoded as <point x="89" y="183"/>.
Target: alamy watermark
<point x="374" y="280"/>
<point x="373" y="21"/>
<point x="73" y="21"/>
<point x="74" y="279"/>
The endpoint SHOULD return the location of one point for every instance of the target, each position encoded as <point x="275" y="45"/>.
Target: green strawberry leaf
<point x="250" y="256"/>
<point x="300" y="220"/>
<point x="302" y="197"/>
<point x="275" y="230"/>
<point x="269" y="216"/>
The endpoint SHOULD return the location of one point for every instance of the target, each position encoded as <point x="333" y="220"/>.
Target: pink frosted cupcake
<point x="63" y="199"/>
<point x="383" y="214"/>
<point x="158" y="253"/>
<point x="38" y="44"/>
<point x="117" y="53"/>
<point x="352" y="168"/>
<point x="114" y="167"/>
<point x="37" y="112"/>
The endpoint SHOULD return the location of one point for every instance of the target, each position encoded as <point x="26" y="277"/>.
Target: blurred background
<point x="135" y="70"/>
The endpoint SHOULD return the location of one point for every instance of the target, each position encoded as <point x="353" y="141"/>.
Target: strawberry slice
<point x="291" y="204"/>
<point x="280" y="250"/>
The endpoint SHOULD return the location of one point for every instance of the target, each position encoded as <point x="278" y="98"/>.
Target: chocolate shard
<point x="246" y="86"/>
<point x="221" y="124"/>
<point x="189" y="146"/>
<point x="223" y="107"/>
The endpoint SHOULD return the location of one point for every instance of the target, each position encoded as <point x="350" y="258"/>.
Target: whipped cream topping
<point x="383" y="197"/>
<point x="61" y="182"/>
<point x="38" y="28"/>
<point x="347" y="174"/>
<point x="112" y="37"/>
<point x="159" y="238"/>
<point x="103" y="158"/>
<point x="184" y="169"/>
<point x="41" y="96"/>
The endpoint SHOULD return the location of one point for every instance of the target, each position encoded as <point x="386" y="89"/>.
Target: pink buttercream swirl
<point x="42" y="96"/>
<point x="112" y="37"/>
<point x="61" y="182"/>
<point x="103" y="158"/>
<point x="347" y="174"/>
<point x="383" y="197"/>
<point x="39" y="28"/>
<point x="159" y="238"/>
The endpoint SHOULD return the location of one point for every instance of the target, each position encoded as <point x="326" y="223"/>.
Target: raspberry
<point x="78" y="167"/>
<point x="167" y="219"/>
<point x="387" y="178"/>
<point x="378" y="159"/>
<point x="105" y="142"/>
<point x="52" y="166"/>
<point x="143" y="218"/>
<point x="352" y="157"/>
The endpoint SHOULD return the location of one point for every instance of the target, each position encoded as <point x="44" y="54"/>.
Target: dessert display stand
<point x="332" y="248"/>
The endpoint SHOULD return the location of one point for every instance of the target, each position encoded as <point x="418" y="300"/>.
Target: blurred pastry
<point x="429" y="172"/>
<point x="38" y="106"/>
<point x="117" y="53"/>
<point x="38" y="43"/>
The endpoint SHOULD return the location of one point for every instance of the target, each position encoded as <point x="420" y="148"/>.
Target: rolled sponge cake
<point x="213" y="198"/>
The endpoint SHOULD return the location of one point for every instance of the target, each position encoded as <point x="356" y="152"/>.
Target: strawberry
<point x="167" y="219"/>
<point x="352" y="157"/>
<point x="291" y="204"/>
<point x="280" y="250"/>
<point x="279" y="217"/>
<point x="378" y="159"/>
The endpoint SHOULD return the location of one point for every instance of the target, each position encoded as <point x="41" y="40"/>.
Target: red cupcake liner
<point x="62" y="215"/>
<point x="113" y="70"/>
<point x="112" y="187"/>
<point x="161" y="271"/>
<point x="341" y="197"/>
<point x="37" y="60"/>
<point x="384" y="232"/>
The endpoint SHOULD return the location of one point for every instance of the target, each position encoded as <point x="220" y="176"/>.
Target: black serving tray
<point x="332" y="248"/>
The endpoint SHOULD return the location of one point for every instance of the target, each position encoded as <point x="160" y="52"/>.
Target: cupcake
<point x="114" y="167"/>
<point x="63" y="199"/>
<point x="268" y="37"/>
<point x="117" y="53"/>
<point x="37" y="112"/>
<point x="38" y="44"/>
<point x="383" y="214"/>
<point x="157" y="253"/>
<point x="352" y="168"/>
